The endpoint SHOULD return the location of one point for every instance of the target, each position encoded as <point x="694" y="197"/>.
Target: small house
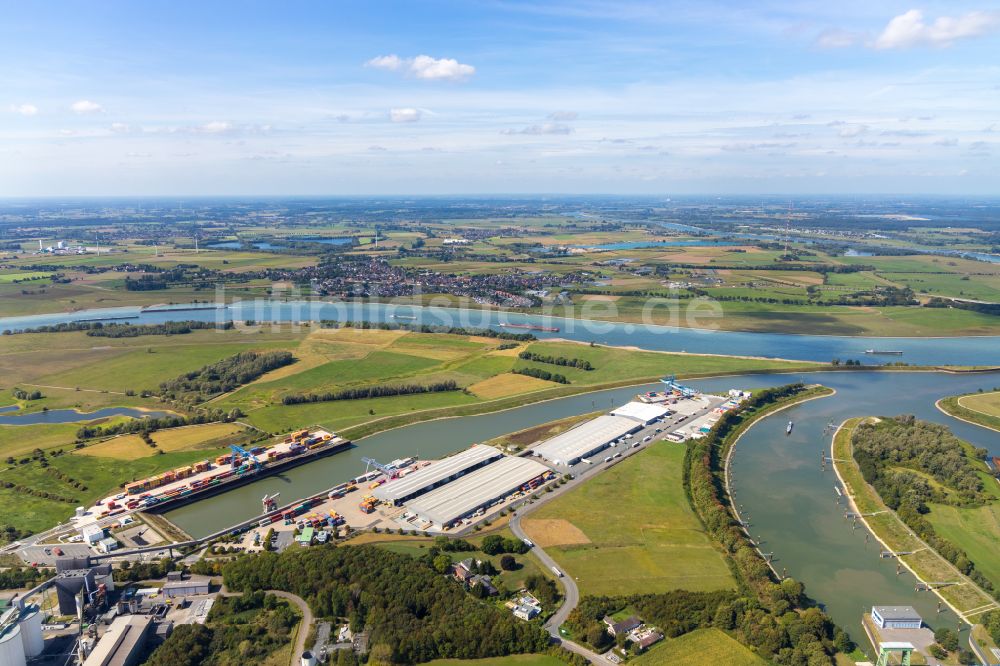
<point x="623" y="627"/>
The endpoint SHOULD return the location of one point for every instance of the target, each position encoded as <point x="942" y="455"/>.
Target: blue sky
<point x="506" y="96"/>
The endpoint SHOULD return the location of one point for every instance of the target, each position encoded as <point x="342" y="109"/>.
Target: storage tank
<point x="81" y="512"/>
<point x="308" y="659"/>
<point x="11" y="646"/>
<point x="31" y="631"/>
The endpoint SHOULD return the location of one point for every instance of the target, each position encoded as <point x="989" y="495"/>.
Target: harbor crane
<point x="245" y="457"/>
<point x="270" y="502"/>
<point x="385" y="469"/>
<point x="670" y="382"/>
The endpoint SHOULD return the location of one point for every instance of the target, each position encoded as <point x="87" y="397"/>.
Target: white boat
<point x="788" y="428"/>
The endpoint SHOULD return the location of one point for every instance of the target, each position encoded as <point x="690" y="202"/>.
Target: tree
<point x="946" y="638"/>
<point x="508" y="563"/>
<point x="598" y="637"/>
<point x="442" y="563"/>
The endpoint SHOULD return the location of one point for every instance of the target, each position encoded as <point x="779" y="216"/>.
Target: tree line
<point x="223" y="376"/>
<point x="365" y="392"/>
<point x="538" y="373"/>
<point x="412" y="613"/>
<point x="769" y="615"/>
<point x="148" y="424"/>
<point x="580" y="363"/>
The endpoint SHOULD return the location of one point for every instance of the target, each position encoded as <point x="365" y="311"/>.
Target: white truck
<point x="557" y="572"/>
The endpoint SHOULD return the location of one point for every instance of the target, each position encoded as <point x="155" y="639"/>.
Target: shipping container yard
<point x="186" y="484"/>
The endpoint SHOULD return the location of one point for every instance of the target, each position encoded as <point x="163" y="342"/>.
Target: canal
<point x="778" y="479"/>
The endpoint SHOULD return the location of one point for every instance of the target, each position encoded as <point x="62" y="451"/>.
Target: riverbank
<point x="952" y="406"/>
<point x="960" y="594"/>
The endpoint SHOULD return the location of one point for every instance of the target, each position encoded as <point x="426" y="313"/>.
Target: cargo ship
<point x="532" y="327"/>
<point x="884" y="352"/>
<point x="186" y="308"/>
<point x="411" y="317"/>
<point x="211" y="477"/>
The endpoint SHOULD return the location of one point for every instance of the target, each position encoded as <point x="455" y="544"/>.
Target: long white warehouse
<point x="640" y="411"/>
<point x="476" y="490"/>
<point x="438" y="473"/>
<point x="586" y="439"/>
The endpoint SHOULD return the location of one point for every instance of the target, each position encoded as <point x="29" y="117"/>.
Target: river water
<point x="921" y="351"/>
<point x="778" y="479"/>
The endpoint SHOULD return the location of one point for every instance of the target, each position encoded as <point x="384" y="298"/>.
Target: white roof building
<point x="438" y="473"/>
<point x="643" y="412"/>
<point x="585" y="439"/>
<point x="476" y="490"/>
<point x="91" y="533"/>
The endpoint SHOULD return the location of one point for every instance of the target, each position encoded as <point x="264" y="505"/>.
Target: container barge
<point x="884" y="352"/>
<point x="189" y="308"/>
<point x="532" y="327"/>
<point x="300" y="448"/>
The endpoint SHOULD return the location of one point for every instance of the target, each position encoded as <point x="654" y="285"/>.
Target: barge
<point x="884" y="352"/>
<point x="172" y="489"/>
<point x="531" y="327"/>
<point x="189" y="308"/>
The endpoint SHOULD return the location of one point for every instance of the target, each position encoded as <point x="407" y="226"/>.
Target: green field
<point x="631" y="530"/>
<point x="981" y="408"/>
<point x="702" y="646"/>
<point x="975" y="530"/>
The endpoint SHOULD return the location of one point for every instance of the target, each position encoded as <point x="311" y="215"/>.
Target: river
<point x="984" y="350"/>
<point x="778" y="479"/>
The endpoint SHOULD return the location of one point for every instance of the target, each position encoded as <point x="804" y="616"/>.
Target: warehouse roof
<point x="436" y="472"/>
<point x="123" y="639"/>
<point x="641" y="411"/>
<point x="465" y="495"/>
<point x="585" y="438"/>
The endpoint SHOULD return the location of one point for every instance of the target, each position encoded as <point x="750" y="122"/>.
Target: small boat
<point x="788" y="428"/>
<point x="402" y="316"/>
<point x="885" y="352"/>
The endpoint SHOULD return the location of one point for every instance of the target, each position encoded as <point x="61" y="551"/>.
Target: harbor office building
<point x="896" y="617"/>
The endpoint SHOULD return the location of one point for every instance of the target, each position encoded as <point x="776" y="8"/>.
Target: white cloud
<point x="563" y="116"/>
<point x="120" y="128"/>
<point x="424" y="67"/>
<point x="946" y="141"/>
<point x="391" y="62"/>
<point x="405" y="115"/>
<point x="545" y="128"/>
<point x="86" y="106"/>
<point x="24" y="109"/>
<point x="909" y="29"/>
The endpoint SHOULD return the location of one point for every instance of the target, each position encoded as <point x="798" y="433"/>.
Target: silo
<point x="81" y="512"/>
<point x="31" y="631"/>
<point x="308" y="659"/>
<point x="11" y="647"/>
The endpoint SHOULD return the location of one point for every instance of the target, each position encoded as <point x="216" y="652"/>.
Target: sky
<point x="498" y="96"/>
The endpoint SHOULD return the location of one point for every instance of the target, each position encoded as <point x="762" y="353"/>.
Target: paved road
<point x="307" y="621"/>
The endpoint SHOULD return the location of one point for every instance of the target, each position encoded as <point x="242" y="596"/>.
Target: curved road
<point x="304" y="625"/>
<point x="571" y="590"/>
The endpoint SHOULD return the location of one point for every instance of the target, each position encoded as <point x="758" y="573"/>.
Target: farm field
<point x="209" y="436"/>
<point x="702" y="646"/>
<point x="631" y="530"/>
<point x="511" y="660"/>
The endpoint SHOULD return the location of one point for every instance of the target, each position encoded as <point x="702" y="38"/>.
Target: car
<point x="48" y="551"/>
<point x="58" y="552"/>
<point x="608" y="459"/>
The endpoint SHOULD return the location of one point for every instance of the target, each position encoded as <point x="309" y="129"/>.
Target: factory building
<point x="401" y="490"/>
<point x="642" y="412"/>
<point x="122" y="644"/>
<point x="586" y="439"/>
<point x="476" y="490"/>
<point x="185" y="588"/>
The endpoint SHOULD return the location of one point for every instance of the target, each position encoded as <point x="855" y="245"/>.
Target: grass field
<point x="703" y="646"/>
<point x="981" y="408"/>
<point x="209" y="436"/>
<point x="642" y="535"/>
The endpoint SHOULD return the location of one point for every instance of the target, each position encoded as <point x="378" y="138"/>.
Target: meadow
<point x="631" y="530"/>
<point x="702" y="646"/>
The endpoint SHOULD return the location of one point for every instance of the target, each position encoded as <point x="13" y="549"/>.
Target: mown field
<point x="980" y="408"/>
<point x="702" y="646"/>
<point x="975" y="530"/>
<point x="631" y="530"/>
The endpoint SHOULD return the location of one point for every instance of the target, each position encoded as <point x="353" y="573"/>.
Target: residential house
<point x="623" y="627"/>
